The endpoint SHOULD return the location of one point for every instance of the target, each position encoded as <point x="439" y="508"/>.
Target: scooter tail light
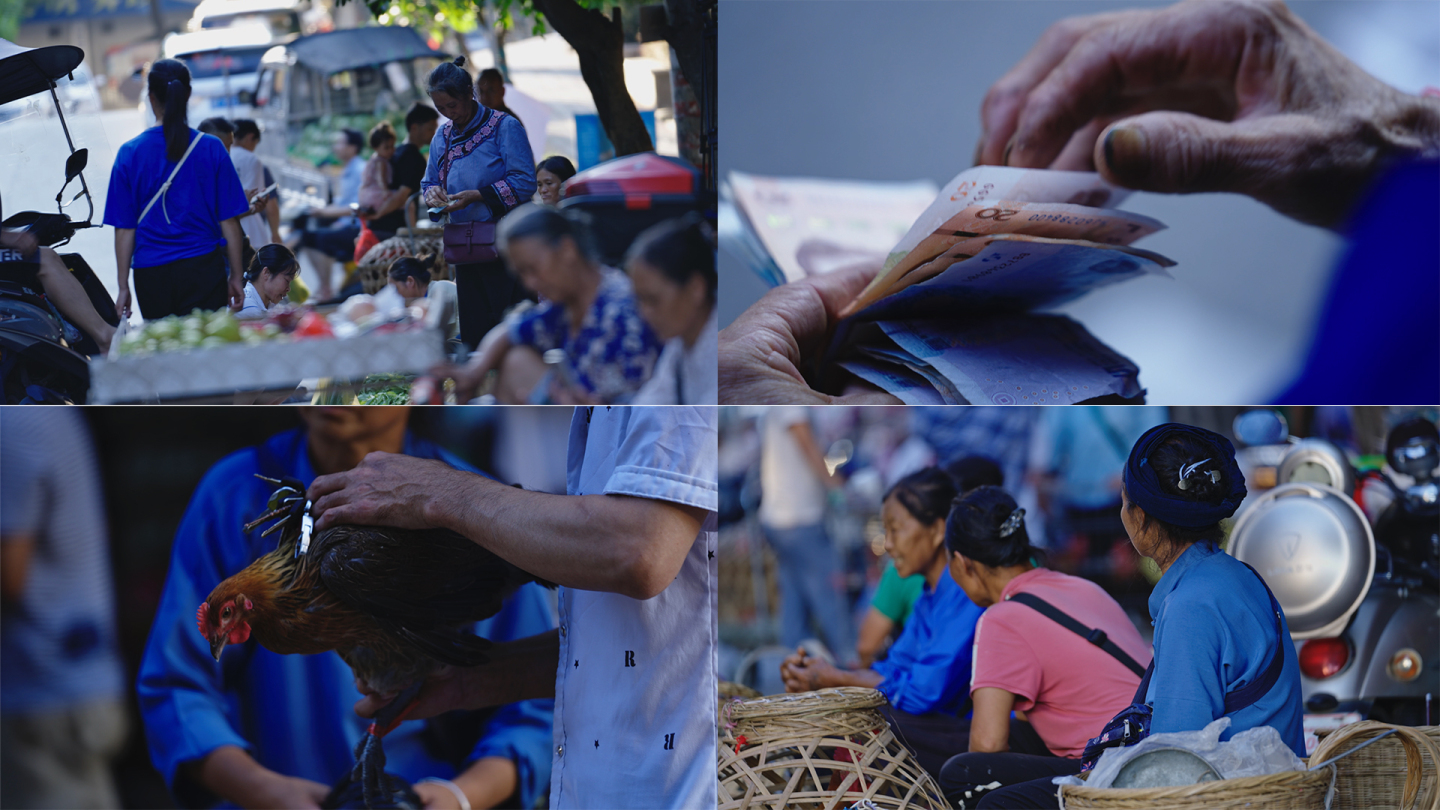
<point x="1321" y="658"/>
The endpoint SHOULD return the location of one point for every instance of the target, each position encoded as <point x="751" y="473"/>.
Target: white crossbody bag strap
<point x="166" y="187"/>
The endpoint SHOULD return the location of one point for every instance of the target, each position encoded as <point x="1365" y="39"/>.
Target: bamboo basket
<point x="1292" y="790"/>
<point x="374" y="268"/>
<point x="1396" y="772"/>
<point x="818" y="750"/>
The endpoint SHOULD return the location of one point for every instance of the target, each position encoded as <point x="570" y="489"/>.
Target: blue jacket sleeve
<point x="432" y="163"/>
<point x="181" y="687"/>
<point x="521" y="732"/>
<point x="931" y="674"/>
<point x="518" y="185"/>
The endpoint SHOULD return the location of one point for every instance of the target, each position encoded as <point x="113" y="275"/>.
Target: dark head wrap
<point x="1144" y="488"/>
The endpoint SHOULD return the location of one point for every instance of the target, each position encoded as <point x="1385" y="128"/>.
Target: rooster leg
<point x="369" y="768"/>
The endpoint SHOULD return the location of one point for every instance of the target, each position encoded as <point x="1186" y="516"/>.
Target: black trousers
<point x="177" y="287"/>
<point x="484" y="291"/>
<point x="1024" y="779"/>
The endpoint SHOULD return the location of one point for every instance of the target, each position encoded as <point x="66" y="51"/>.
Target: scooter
<point x="1362" y="602"/>
<point x="43" y="357"/>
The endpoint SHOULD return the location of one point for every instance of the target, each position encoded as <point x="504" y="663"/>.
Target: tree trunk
<point x="494" y="23"/>
<point x="600" y="45"/>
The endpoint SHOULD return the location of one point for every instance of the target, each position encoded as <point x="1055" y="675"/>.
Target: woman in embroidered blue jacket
<point x="480" y="169"/>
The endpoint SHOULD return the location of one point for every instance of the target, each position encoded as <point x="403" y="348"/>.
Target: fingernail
<point x="1005" y="158"/>
<point x="1125" y="153"/>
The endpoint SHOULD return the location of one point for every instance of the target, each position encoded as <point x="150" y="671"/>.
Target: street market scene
<point x="285" y="200"/>
<point x="1007" y="577"/>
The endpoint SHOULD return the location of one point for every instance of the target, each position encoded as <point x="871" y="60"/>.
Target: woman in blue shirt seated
<point x="1222" y="647"/>
<point x="588" y="312"/>
<point x="926" y="675"/>
<point x="480" y="169"/>
<point x="175" y="202"/>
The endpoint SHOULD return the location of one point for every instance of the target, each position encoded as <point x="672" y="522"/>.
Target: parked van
<point x="314" y="85"/>
<point x="224" y="65"/>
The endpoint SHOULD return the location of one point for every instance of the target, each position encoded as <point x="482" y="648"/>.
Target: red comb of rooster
<point x="200" y="614"/>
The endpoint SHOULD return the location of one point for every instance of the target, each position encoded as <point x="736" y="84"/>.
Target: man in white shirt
<point x="252" y="179"/>
<point x="795" y="484"/>
<point x="633" y="665"/>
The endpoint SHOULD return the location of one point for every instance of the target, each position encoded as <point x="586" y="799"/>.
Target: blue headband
<point x="1143" y="487"/>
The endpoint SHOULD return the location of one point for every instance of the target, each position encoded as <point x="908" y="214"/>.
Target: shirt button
<point x="562" y="629"/>
<point x="559" y="750"/>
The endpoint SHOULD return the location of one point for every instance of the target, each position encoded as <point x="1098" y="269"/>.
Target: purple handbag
<point x="470" y="243"/>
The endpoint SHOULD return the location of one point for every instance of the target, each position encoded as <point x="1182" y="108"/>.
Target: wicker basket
<point x="1292" y="790"/>
<point x="1398" y="771"/>
<point x="827" y="749"/>
<point x="374" y="267"/>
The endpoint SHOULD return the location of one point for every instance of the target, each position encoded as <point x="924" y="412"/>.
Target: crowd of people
<point x="980" y="630"/>
<point x="544" y="319"/>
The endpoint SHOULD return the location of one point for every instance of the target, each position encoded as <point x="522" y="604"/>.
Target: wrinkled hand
<point x="385" y="489"/>
<point x="237" y="293"/>
<point x="435" y="197"/>
<point x="763" y="351"/>
<point x="122" y="302"/>
<point x="448" y="689"/>
<point x="1205" y="96"/>
<point x="803" y="674"/>
<point x="467" y="378"/>
<point x="463" y="199"/>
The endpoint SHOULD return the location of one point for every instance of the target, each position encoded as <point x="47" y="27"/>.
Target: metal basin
<point x="1316" y="461"/>
<point x="1315" y="550"/>
<point x="1165" y="767"/>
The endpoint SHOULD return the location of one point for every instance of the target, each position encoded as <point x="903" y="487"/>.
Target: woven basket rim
<point x="822" y="701"/>
<point x="1199" y="789"/>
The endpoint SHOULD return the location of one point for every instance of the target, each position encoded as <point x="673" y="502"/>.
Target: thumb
<point x="1180" y="153"/>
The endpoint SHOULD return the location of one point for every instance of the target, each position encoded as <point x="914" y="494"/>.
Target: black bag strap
<point x="1095" y="635"/>
<point x="1258" y="688"/>
<point x="1144" y="684"/>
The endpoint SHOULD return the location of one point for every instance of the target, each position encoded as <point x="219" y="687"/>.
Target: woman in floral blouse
<point x="585" y="344"/>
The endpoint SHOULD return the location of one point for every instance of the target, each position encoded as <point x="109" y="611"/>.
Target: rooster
<point x="397" y="605"/>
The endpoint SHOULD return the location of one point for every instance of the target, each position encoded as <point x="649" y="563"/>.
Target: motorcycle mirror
<point x="76" y="163"/>
<point x="1262" y="426"/>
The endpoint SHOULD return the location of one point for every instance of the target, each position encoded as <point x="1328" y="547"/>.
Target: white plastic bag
<point x="1257" y="751"/>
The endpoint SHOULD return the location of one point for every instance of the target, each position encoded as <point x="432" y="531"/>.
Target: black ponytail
<point x="275" y="257"/>
<point x="986" y="526"/>
<point x="680" y="249"/>
<point x="169" y="83"/>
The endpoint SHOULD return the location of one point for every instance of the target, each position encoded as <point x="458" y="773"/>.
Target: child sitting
<point x="375" y="183"/>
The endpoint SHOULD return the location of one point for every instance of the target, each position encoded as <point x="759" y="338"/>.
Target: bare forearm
<point x="631" y="546"/>
<point x="15" y="553"/>
<point x="523" y="669"/>
<point x="124" y="251"/>
<point x="488" y="782"/>
<point x="867" y="678"/>
<point x="396" y="199"/>
<point x="233" y="241"/>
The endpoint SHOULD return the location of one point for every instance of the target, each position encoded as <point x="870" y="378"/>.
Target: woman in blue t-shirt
<point x="926" y="675"/>
<point x="173" y="223"/>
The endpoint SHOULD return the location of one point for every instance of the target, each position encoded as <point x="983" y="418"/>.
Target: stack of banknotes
<point x="956" y="313"/>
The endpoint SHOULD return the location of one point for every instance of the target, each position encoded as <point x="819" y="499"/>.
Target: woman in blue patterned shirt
<point x="588" y="313"/>
<point x="480" y="169"/>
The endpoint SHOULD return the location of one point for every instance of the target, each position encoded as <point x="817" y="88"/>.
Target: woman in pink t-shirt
<point x="1062" y="686"/>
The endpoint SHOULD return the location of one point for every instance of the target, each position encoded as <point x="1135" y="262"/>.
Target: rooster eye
<point x="225" y="614"/>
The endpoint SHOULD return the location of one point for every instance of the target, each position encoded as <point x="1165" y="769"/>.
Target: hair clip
<point x="1012" y="523"/>
<point x="1190" y="469"/>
